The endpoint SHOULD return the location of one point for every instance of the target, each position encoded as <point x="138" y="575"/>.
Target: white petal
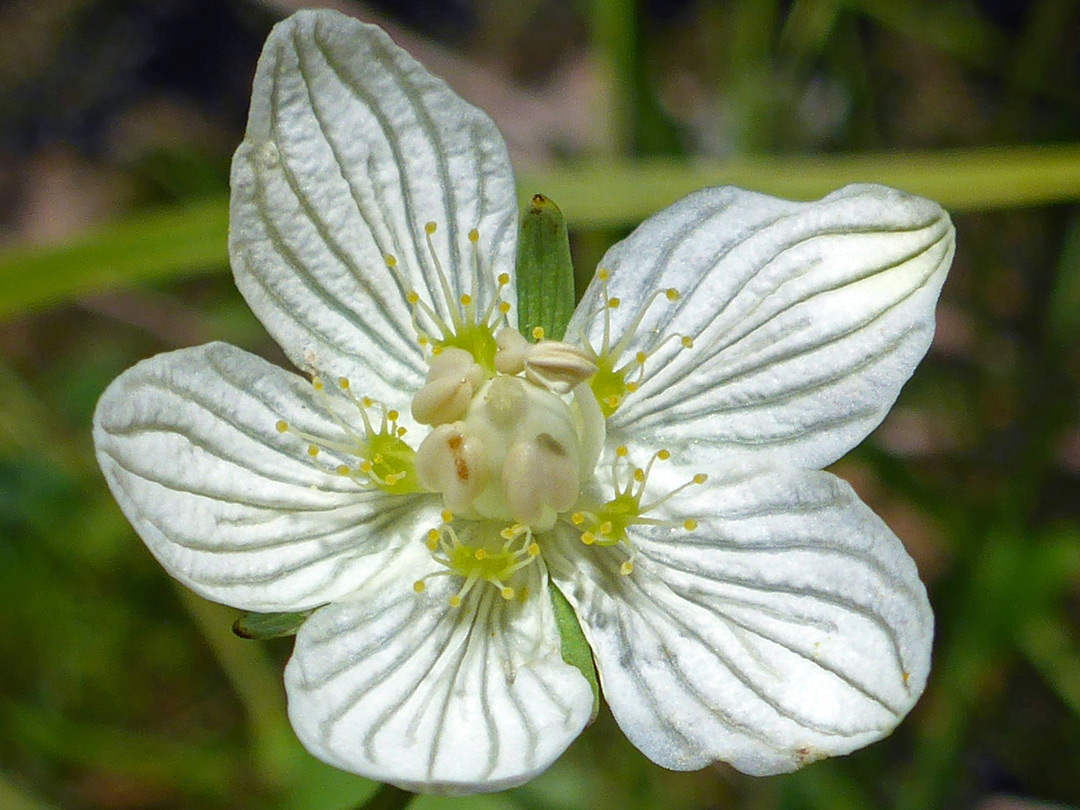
<point x="790" y="625"/>
<point x="400" y="687"/>
<point x="233" y="509"/>
<point x="351" y="148"/>
<point x="806" y="318"/>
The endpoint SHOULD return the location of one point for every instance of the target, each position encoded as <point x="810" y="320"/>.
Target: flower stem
<point x="388" y="797"/>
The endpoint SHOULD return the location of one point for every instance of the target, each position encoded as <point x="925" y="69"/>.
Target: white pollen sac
<point x="452" y="378"/>
<point x="442" y="401"/>
<point x="558" y="366"/>
<point x="452" y="462"/>
<point x="537" y="476"/>
<point x="512" y="349"/>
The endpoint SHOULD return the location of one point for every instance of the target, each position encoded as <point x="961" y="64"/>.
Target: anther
<point x="282" y="426"/>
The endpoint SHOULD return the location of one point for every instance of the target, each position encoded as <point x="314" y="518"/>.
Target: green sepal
<point x="259" y="626"/>
<point x="545" y="273"/>
<point x="575" y="649"/>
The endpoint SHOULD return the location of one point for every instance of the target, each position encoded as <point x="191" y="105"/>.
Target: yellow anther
<point x="577" y="518"/>
<point x="687" y="342"/>
<point x="588" y="538"/>
<point x="504" y="307"/>
<point x="423" y="341"/>
<point x="474" y="235"/>
<point x="391" y="260"/>
<point x="631" y="387"/>
<point x="613" y="303"/>
<point x="689" y="524"/>
<point x="639" y="475"/>
<point x="507" y="593"/>
<point x="641" y="357"/>
<point x="343" y="383"/>
<point x="343" y="469"/>
<point x="507" y="533"/>
<point x="313" y="450"/>
<point x="533" y="549"/>
<point x="612" y="402"/>
<point x="433" y="536"/>
<point x="419" y="586"/>
<point x="392" y="415"/>
<point x="672" y="294"/>
<point x="282" y="426"/>
<point x="480" y="554"/>
<point x="605" y="527"/>
<point x="663" y="455"/>
<point x="621" y="451"/>
<point x="401" y="432"/>
<point x="626" y="569"/>
<point x="446" y="516"/>
<point x="700" y="478"/>
<point x="538" y="333"/>
<point x="465" y="300"/>
<point x="367" y="402"/>
<point x="602" y="273"/>
<point x="366" y="467"/>
<point x="455" y="601"/>
<point x="317" y="383"/>
<point x="504" y="279"/>
<point x="430" y="227"/>
<point x="412" y="297"/>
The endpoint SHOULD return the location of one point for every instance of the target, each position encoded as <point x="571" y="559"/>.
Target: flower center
<point x="504" y="449"/>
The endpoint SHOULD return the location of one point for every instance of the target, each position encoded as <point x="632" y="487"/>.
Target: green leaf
<point x="545" y="274"/>
<point x="575" y="649"/>
<point x="160" y="244"/>
<point x="259" y="626"/>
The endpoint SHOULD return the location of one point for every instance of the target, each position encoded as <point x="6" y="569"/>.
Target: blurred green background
<point x="120" y="690"/>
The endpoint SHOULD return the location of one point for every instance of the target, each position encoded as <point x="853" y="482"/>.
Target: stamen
<point x="487" y="555"/>
<point x="606" y="524"/>
<point x="613" y="379"/>
<point x="383" y="459"/>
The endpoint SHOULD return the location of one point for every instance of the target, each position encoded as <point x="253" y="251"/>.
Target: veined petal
<point x="235" y="510"/>
<point x="400" y="687"/>
<point x="351" y="149"/>
<point x="788" y="626"/>
<point x="806" y="319"/>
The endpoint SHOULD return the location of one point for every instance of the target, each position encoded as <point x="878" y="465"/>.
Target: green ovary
<point x="494" y="567"/>
<point x="477" y="340"/>
<point x="613" y="518"/>
<point x="608" y="385"/>
<point x="393" y="467"/>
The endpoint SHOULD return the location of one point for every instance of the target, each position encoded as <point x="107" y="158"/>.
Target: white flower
<point x="662" y="465"/>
